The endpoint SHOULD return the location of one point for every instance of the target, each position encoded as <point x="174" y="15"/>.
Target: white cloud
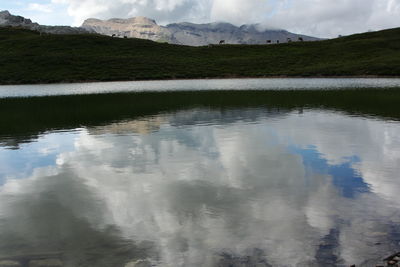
<point x="240" y="12"/>
<point x="40" y="7"/>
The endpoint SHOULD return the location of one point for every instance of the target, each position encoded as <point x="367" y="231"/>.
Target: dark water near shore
<point x="230" y="184"/>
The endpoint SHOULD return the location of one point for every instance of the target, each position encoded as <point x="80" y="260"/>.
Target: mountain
<point x="177" y="33"/>
<point x="211" y="33"/>
<point x="7" y="19"/>
<point x="139" y="27"/>
<point x="189" y="33"/>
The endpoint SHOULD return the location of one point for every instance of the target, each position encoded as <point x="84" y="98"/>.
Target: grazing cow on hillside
<point x="301" y="39"/>
<point x="222" y="42"/>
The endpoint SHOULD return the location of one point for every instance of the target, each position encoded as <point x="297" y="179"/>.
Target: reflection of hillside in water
<point x="214" y="188"/>
<point x="15" y="142"/>
<point x="29" y="118"/>
<point x="148" y="124"/>
<point x="142" y="126"/>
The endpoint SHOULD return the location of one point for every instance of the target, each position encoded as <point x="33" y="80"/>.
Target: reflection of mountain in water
<point x="151" y="123"/>
<point x="142" y="126"/>
<point x="14" y="142"/>
<point x="204" y="116"/>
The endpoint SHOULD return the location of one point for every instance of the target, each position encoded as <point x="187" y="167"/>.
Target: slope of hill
<point x="28" y="57"/>
<point x="189" y="33"/>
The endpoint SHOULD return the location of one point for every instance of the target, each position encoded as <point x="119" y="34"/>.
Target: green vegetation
<point x="27" y="57"/>
<point x="28" y="117"/>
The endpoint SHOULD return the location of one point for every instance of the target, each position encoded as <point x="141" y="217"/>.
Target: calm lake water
<point x="202" y="186"/>
<point x="197" y="85"/>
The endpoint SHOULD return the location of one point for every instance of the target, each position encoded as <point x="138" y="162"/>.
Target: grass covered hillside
<point x="28" y="57"/>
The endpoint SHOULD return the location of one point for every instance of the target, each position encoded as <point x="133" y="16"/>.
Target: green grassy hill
<point x="27" y="57"/>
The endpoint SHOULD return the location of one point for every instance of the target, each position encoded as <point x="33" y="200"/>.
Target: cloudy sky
<point x="323" y="18"/>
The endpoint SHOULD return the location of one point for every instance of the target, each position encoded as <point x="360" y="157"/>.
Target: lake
<point x="205" y="178"/>
<point x="197" y="85"/>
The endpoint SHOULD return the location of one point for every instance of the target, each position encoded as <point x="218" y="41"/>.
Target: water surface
<point x="198" y="85"/>
<point x="261" y="185"/>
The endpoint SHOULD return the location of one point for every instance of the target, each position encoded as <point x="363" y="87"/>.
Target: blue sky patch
<point x="344" y="176"/>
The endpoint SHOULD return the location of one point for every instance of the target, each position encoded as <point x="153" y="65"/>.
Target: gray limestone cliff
<point x="139" y="27"/>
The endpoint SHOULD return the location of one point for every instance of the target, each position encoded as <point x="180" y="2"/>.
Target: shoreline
<point x="204" y="78"/>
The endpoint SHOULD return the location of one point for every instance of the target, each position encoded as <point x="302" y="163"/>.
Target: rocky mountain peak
<point x="7" y="19"/>
<point x="93" y="20"/>
<point x="143" y="21"/>
<point x="251" y="28"/>
<point x="130" y="21"/>
<point x="4" y="13"/>
<point x="137" y="27"/>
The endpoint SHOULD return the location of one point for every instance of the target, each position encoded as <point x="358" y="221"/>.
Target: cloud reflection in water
<point x="202" y="188"/>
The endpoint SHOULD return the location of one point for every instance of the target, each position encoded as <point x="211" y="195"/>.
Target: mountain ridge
<point x="9" y="20"/>
<point x="192" y="34"/>
<point x="182" y="33"/>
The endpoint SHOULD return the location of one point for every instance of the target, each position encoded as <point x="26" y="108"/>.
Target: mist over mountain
<point x="7" y="19"/>
<point x="192" y="34"/>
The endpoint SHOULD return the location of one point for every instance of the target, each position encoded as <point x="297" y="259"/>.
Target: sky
<point x="321" y="18"/>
